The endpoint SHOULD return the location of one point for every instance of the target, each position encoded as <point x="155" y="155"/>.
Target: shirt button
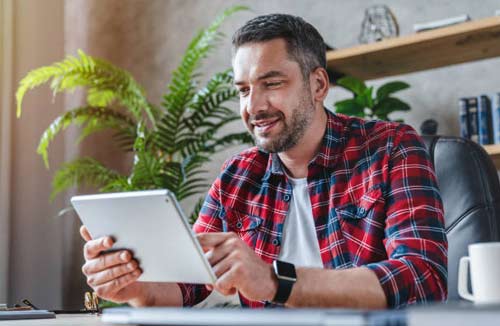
<point x="275" y="242"/>
<point x="239" y="225"/>
<point x="362" y="211"/>
<point x="287" y="197"/>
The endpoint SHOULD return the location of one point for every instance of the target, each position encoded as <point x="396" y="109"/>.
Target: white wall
<point x="35" y="235"/>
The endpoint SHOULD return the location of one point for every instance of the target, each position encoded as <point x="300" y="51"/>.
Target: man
<point x="327" y="210"/>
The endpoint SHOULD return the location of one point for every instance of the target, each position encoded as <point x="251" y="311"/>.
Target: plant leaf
<point x="184" y="81"/>
<point x="352" y="84"/>
<point x="99" y="117"/>
<point x="105" y="82"/>
<point x="84" y="171"/>
<point x="385" y="90"/>
<point x="389" y="105"/>
<point x="349" y="107"/>
<point x="196" y="210"/>
<point x="367" y="97"/>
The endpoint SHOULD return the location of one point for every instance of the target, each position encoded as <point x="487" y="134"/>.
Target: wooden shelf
<point x="494" y="152"/>
<point x="469" y="41"/>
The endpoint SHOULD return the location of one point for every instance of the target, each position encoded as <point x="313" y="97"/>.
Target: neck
<point x="296" y="159"/>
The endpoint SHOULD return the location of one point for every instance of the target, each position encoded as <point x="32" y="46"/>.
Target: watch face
<point x="285" y="269"/>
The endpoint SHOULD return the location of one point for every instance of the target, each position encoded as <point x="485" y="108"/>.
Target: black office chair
<point x="470" y="189"/>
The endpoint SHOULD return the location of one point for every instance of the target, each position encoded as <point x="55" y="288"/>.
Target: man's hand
<point x="112" y="276"/>
<point x="237" y="267"/>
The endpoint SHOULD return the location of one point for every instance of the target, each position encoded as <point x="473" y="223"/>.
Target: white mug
<point x="484" y="262"/>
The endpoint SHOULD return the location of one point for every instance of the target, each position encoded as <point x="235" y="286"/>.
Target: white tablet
<point x="152" y="225"/>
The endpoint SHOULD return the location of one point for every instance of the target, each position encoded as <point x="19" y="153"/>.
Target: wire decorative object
<point x="379" y="23"/>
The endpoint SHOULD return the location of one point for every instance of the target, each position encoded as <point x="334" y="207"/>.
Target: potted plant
<point x="170" y="142"/>
<point x="368" y="105"/>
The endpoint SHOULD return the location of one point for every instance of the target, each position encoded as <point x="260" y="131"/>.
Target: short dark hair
<point x="304" y="43"/>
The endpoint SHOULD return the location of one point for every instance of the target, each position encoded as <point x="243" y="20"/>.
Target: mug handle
<point x="463" y="276"/>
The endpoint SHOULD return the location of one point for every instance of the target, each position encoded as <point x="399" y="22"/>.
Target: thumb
<point x="84" y="232"/>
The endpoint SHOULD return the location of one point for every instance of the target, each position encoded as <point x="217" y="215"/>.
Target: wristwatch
<point x="285" y="273"/>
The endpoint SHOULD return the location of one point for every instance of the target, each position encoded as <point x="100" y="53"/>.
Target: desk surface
<point x="76" y="319"/>
<point x="429" y="316"/>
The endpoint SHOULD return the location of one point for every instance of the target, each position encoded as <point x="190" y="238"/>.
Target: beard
<point x="293" y="129"/>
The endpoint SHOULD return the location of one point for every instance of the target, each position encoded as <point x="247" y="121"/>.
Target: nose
<point x="256" y="102"/>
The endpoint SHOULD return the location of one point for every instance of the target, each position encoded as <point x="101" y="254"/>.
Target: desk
<point x="439" y="315"/>
<point x="60" y="320"/>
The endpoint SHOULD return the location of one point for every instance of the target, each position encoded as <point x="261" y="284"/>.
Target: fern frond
<point x="198" y="143"/>
<point x="196" y="210"/>
<point x="231" y="139"/>
<point x="193" y="162"/>
<point x="105" y="82"/>
<point x="207" y="103"/>
<point x="183" y="84"/>
<point x="190" y="189"/>
<point x="95" y="116"/>
<point x="84" y="171"/>
<point x="100" y="98"/>
<point x="146" y="173"/>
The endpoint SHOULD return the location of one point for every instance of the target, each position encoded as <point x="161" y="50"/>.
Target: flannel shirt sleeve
<point x="415" y="238"/>
<point x="208" y="221"/>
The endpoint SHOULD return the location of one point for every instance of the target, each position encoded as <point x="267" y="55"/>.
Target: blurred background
<point x="40" y="253"/>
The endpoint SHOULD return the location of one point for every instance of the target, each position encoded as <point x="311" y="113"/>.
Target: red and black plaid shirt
<point x="375" y="203"/>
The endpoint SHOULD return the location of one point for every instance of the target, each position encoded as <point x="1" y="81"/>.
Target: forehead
<point x="254" y="59"/>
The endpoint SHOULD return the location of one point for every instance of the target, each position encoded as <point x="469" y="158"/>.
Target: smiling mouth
<point x="264" y="126"/>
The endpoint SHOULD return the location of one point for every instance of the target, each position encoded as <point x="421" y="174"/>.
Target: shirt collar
<point x="331" y="148"/>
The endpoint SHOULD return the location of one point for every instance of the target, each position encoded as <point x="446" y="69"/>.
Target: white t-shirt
<point x="299" y="245"/>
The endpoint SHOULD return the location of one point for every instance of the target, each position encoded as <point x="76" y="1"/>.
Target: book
<point x="484" y="120"/>
<point x="464" y="129"/>
<point x="420" y="27"/>
<point x="495" y="117"/>
<point x="472" y="124"/>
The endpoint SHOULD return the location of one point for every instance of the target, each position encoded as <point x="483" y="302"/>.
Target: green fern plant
<point x="171" y="142"/>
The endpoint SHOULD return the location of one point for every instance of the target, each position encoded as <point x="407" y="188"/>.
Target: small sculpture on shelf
<point x="379" y="23"/>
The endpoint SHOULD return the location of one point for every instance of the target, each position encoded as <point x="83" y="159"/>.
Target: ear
<point x="320" y="84"/>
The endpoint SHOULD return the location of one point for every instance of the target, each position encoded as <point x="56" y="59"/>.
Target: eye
<point x="243" y="91"/>
<point x="274" y="84"/>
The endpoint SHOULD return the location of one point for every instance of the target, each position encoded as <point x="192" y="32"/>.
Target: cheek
<point x="281" y="101"/>
<point x="243" y="112"/>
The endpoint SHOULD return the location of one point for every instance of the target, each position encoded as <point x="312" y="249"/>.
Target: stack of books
<point x="480" y="118"/>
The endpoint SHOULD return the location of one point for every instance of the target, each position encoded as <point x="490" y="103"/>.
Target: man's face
<point x="275" y="102"/>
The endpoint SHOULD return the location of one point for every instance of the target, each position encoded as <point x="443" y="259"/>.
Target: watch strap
<point x="284" y="290"/>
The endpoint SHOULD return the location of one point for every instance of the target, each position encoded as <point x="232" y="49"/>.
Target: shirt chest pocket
<point x="369" y="204"/>
<point x="362" y="224"/>
<point x="245" y="225"/>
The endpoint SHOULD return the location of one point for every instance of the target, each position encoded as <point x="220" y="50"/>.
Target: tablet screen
<point x="152" y="226"/>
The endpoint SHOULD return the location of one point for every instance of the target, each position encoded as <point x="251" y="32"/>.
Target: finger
<point x="221" y="251"/>
<point x="222" y="267"/>
<point x="213" y="239"/>
<point x="106" y="261"/>
<point x="209" y="287"/>
<point x="112" y="273"/>
<point x="84" y="232"/>
<point x="225" y="284"/>
<point x="231" y="291"/>
<point x="93" y="248"/>
<point x="110" y="288"/>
